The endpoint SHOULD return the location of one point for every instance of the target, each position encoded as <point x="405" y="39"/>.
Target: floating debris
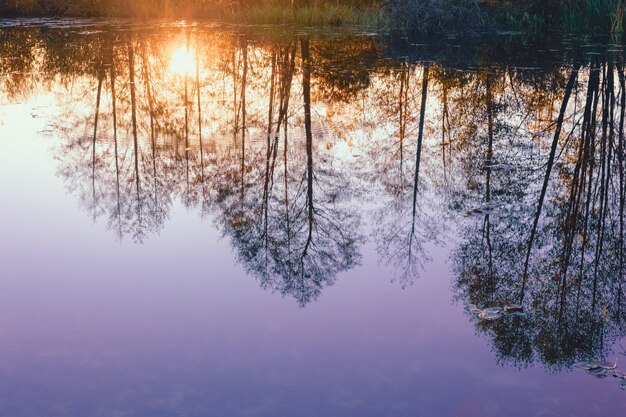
<point x="602" y="369"/>
<point x="479" y="211"/>
<point x="491" y="313"/>
<point x="608" y="365"/>
<point x="513" y="308"/>
<point x="598" y="372"/>
<point x="494" y="313"/>
<point x="618" y="374"/>
<point x="585" y="365"/>
<point x="501" y="167"/>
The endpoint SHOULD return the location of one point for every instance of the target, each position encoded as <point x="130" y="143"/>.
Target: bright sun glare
<point x="182" y="62"/>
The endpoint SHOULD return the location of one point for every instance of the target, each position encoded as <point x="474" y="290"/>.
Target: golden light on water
<point x="182" y="62"/>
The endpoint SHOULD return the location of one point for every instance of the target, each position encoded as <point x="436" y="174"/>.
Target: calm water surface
<point x="210" y="220"/>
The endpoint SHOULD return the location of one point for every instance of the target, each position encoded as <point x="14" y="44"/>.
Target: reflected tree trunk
<point x="268" y="152"/>
<point x="555" y="141"/>
<point x="589" y="160"/>
<point x="606" y="146"/>
<point x="148" y="81"/>
<point x="115" y="145"/>
<point x="200" y="119"/>
<point x="95" y="133"/>
<point x="306" y="92"/>
<point x="187" y="148"/>
<point x="403" y="114"/>
<point x="288" y="66"/>
<point x="489" y="157"/>
<point x="570" y="226"/>
<point x="244" y="80"/>
<point x="133" y="100"/>
<point x="445" y="128"/>
<point x="620" y="156"/>
<point x="418" y="152"/>
<point x="288" y="63"/>
<point x="420" y="135"/>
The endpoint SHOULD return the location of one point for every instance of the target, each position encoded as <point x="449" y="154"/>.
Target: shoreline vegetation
<point x="409" y="16"/>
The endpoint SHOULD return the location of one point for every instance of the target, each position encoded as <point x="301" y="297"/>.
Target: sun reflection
<point x="182" y="62"/>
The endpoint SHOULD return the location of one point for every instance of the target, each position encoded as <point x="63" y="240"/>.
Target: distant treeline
<point x="417" y="16"/>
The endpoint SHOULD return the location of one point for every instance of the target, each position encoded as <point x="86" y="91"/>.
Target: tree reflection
<point x="295" y="234"/>
<point x="404" y="227"/>
<point x="571" y="272"/>
<point x="298" y="146"/>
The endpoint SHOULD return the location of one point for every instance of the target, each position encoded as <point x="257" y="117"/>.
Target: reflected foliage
<point x="302" y="148"/>
<point x="557" y="249"/>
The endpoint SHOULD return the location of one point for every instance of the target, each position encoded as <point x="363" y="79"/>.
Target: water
<point x="162" y="254"/>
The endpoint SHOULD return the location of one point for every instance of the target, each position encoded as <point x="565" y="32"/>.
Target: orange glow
<point x="182" y="62"/>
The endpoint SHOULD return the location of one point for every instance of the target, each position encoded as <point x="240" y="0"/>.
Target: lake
<point x="202" y="219"/>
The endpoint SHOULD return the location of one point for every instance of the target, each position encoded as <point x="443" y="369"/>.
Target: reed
<point x="593" y="16"/>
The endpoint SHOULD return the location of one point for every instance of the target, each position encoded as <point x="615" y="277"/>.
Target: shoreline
<point x="410" y="17"/>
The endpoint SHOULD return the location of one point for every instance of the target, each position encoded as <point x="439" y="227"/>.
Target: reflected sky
<point x="227" y="222"/>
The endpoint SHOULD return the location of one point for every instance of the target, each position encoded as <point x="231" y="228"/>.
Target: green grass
<point x="605" y="16"/>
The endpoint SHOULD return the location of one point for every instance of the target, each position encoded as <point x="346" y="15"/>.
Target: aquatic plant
<point x="593" y="15"/>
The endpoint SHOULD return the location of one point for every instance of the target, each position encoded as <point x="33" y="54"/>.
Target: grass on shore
<point x="319" y="13"/>
<point x="322" y="15"/>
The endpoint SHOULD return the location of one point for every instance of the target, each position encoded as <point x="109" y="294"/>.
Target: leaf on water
<point x="607" y="365"/>
<point x="513" y="308"/>
<point x="491" y="313"/>
<point x="598" y="372"/>
<point x="622" y="384"/>
<point x="485" y="209"/>
<point x="585" y="365"/>
<point x="501" y="167"/>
